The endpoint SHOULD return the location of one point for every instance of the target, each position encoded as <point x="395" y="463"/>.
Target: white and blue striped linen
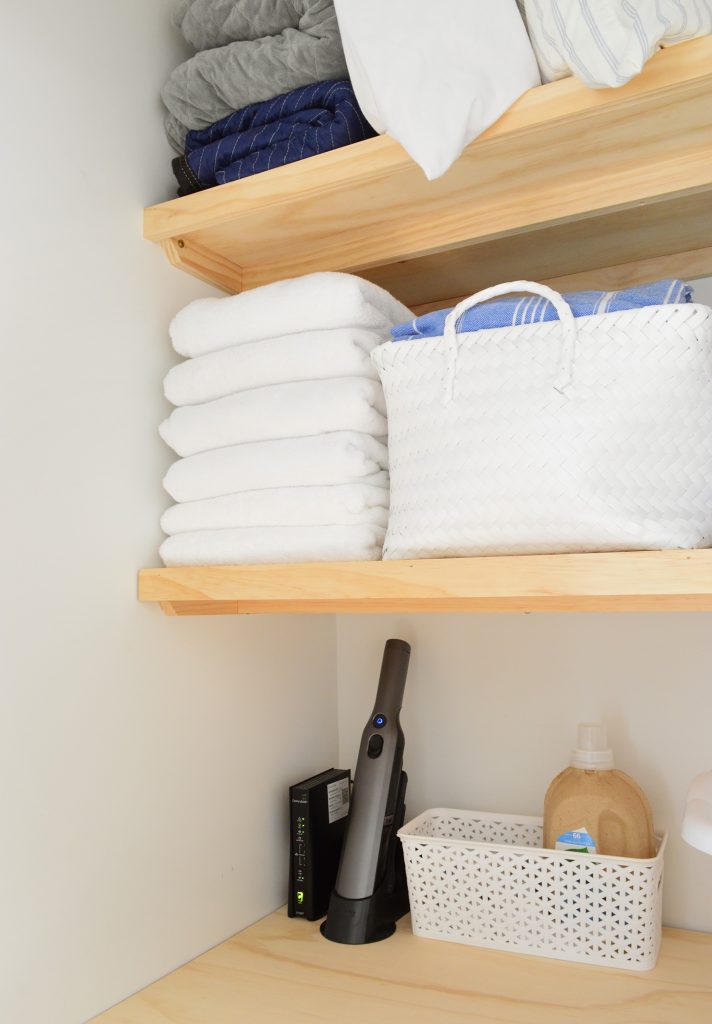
<point x="531" y="309"/>
<point x="605" y="43"/>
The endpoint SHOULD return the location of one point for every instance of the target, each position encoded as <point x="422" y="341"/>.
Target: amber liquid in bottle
<point x="592" y="795"/>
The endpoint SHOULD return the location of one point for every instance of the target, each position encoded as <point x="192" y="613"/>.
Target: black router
<point x="371" y="893"/>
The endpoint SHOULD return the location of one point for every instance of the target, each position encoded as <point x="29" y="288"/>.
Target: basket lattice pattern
<point x="621" y="461"/>
<point x="482" y="879"/>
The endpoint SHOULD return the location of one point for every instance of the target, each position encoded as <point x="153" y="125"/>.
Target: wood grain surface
<point x="536" y="182"/>
<point x="281" y="971"/>
<point x="617" y="581"/>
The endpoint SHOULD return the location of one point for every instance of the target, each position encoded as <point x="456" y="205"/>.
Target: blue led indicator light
<point x="379" y="721"/>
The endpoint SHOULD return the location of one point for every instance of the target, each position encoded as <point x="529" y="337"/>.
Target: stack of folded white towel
<point x="280" y="423"/>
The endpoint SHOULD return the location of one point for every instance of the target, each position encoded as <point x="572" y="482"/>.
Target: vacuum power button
<point x="375" y="746"/>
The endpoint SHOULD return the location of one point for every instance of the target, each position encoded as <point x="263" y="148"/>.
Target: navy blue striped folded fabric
<point x="310" y="120"/>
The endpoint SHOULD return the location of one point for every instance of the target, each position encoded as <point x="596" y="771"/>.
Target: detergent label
<point x="578" y="841"/>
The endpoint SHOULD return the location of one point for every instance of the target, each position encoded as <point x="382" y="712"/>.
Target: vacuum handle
<point x="378" y="772"/>
<point x="391" y="683"/>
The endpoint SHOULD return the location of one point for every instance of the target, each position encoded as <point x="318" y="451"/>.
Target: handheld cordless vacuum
<point x="371" y="892"/>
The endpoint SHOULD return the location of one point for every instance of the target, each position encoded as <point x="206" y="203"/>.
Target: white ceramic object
<point x="697" y="822"/>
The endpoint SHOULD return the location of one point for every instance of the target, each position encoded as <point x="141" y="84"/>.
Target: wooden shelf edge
<point x="614" y="581"/>
<point x="673" y="68"/>
<point x="282" y="970"/>
<point x="569" y="182"/>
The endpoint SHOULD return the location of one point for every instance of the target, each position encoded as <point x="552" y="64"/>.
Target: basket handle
<point x="568" y="323"/>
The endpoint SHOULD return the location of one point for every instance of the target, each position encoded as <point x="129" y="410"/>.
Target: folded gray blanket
<point x="249" y="51"/>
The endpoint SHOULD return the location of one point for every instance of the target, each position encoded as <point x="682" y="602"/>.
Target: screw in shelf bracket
<point x="181" y="243"/>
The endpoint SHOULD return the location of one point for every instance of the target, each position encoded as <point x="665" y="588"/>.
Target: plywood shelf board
<point x="281" y="971"/>
<point x="618" y="581"/>
<point x="666" y="239"/>
<point x="561" y="154"/>
<point x="690" y="266"/>
<point x="203" y="263"/>
<point x="680" y="70"/>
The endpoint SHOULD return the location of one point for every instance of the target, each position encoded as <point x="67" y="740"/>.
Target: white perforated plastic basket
<point x="483" y="879"/>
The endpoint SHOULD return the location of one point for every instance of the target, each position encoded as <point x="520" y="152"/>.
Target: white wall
<point x="143" y="760"/>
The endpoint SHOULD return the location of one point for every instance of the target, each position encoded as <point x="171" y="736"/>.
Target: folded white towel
<point x="263" y="544"/>
<point x="311" y="355"/>
<point x="311" y="303"/>
<point x="299" y="409"/>
<point x="341" y="505"/>
<point x="339" y="458"/>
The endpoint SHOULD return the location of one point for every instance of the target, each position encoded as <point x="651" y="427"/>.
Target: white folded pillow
<point x="435" y="75"/>
<point x="605" y="43"/>
<point x="301" y="409"/>
<point x="315" y="302"/>
<point x="309" y="355"/>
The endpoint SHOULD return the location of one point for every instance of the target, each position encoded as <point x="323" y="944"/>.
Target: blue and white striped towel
<point x="531" y="309"/>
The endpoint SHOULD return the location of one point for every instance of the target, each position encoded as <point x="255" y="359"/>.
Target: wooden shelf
<point x="281" y="971"/>
<point x="620" y="581"/>
<point x="596" y="185"/>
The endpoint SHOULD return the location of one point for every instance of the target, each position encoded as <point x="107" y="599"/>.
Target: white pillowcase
<point x="433" y="75"/>
<point x="605" y="43"/>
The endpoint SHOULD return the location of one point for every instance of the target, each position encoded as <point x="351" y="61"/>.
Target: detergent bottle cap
<point x="592" y="752"/>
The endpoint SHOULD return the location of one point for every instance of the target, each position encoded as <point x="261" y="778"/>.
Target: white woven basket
<point x="481" y="879"/>
<point x="582" y="434"/>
